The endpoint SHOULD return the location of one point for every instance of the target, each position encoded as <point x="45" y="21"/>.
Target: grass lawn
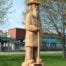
<point x="53" y="59"/>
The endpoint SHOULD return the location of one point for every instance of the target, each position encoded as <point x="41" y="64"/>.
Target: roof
<point x="17" y="28"/>
<point x="5" y="39"/>
<point x="52" y="35"/>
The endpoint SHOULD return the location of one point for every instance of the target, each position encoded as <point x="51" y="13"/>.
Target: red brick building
<point x="17" y="33"/>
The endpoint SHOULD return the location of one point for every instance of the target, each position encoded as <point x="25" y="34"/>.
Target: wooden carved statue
<point x="33" y="36"/>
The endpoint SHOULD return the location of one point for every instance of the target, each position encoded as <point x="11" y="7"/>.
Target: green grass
<point x="11" y="60"/>
<point x="55" y="59"/>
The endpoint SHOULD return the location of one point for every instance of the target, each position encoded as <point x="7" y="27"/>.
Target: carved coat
<point x="32" y="25"/>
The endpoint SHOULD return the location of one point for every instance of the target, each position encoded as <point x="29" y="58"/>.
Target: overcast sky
<point x="16" y="18"/>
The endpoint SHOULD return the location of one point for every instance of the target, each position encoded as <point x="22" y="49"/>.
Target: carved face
<point x="35" y="10"/>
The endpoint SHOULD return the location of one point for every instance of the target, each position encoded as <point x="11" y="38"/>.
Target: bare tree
<point x="5" y="5"/>
<point x="53" y="18"/>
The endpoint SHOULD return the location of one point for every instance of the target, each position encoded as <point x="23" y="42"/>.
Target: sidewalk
<point x="42" y="52"/>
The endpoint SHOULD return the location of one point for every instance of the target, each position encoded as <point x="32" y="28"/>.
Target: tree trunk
<point x="64" y="48"/>
<point x="63" y="40"/>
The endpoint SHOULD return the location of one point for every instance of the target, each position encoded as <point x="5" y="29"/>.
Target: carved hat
<point x="33" y="2"/>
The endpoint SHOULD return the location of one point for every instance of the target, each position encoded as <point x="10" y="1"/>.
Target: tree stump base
<point x="36" y="64"/>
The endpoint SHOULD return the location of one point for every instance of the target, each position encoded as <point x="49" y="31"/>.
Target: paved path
<point x="16" y="53"/>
